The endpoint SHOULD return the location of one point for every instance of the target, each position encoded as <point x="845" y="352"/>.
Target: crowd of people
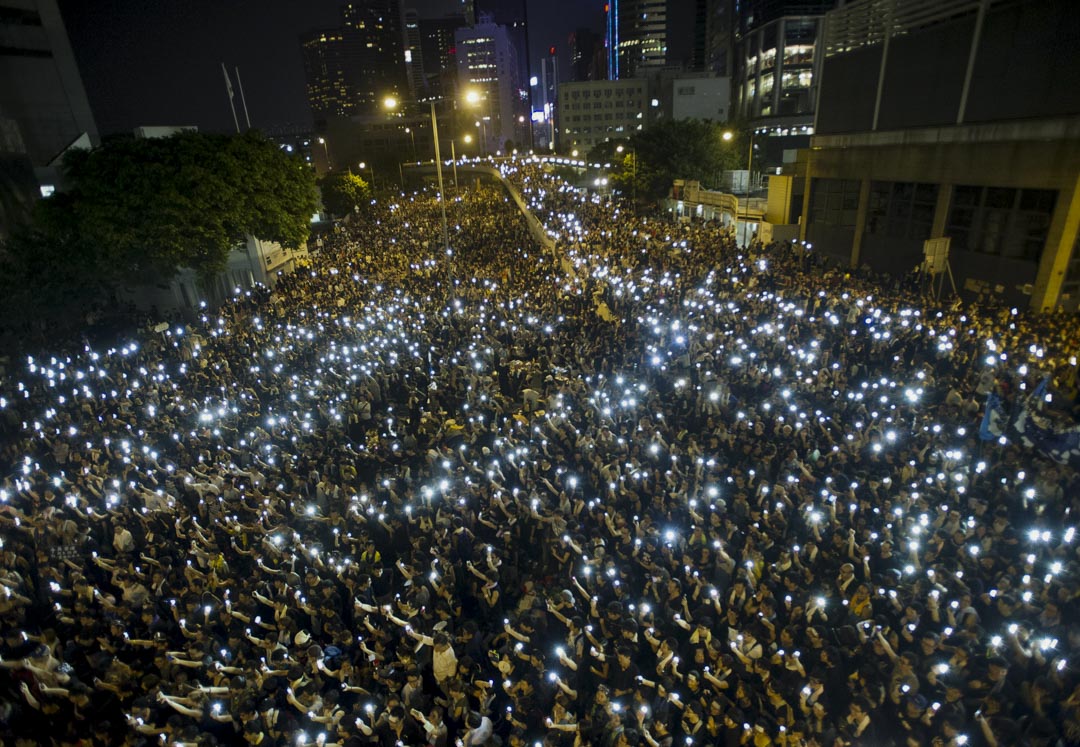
<point x="632" y="487"/>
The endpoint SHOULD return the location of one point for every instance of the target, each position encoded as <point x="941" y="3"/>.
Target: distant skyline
<point x="160" y="64"/>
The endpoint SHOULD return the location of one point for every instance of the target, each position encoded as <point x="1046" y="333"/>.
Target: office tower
<point x="329" y="90"/>
<point x="719" y="36"/>
<point x="351" y="69"/>
<point x="487" y="64"/>
<point x="414" y="56"/>
<point x="439" y="52"/>
<point x="375" y="43"/>
<point x="598" y="110"/>
<point x="636" y="37"/>
<point x="587" y="60"/>
<point x="774" y="59"/>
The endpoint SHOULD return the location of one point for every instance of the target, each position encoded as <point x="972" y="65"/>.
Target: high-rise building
<point x="487" y="64"/>
<point x="329" y="89"/>
<point x="719" y="36"/>
<point x="351" y="69"/>
<point x="774" y="59"/>
<point x="414" y="56"/>
<point x="699" y="33"/>
<point x="468" y="11"/>
<point x="587" y="59"/>
<point x="461" y="10"/>
<point x="376" y="40"/>
<point x="43" y="105"/>
<point x="636" y="37"/>
<point x="439" y="52"/>
<point x="774" y="84"/>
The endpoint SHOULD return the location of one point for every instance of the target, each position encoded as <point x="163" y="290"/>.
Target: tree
<point x="146" y="208"/>
<point x="676" y="149"/>
<point x="342" y="192"/>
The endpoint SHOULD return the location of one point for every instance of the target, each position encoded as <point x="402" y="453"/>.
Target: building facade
<point x="636" y="34"/>
<point x="591" y="112"/>
<point x="487" y="64"/>
<point x="958" y="119"/>
<point x="329" y="89"/>
<point x="690" y="96"/>
<point x="375" y="32"/>
<point x="719" y="37"/>
<point x="352" y="68"/>
<point x="414" y="57"/>
<point x="587" y="58"/>
<point x="439" y="51"/>
<point x="42" y="98"/>
<point x="774" y="66"/>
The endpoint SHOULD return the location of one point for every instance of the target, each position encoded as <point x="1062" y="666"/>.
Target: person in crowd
<point x="632" y="485"/>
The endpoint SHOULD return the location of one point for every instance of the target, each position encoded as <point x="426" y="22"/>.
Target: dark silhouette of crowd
<point x="636" y="486"/>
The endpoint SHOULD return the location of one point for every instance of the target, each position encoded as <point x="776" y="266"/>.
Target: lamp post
<point x="442" y="194"/>
<point x="365" y="166"/>
<point x="472" y="97"/>
<point x="453" y="160"/>
<point x="746" y="212"/>
<point x="412" y="137"/>
<point x="633" y="164"/>
<point x="326" y="152"/>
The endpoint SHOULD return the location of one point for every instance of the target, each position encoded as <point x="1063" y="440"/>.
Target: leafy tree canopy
<point x="145" y="208"/>
<point x="669" y="150"/>
<point x="342" y="192"/>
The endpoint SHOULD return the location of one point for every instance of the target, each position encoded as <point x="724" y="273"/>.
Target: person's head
<point x="860" y="708"/>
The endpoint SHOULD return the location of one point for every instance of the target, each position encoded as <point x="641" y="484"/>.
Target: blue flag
<point x="994" y="419"/>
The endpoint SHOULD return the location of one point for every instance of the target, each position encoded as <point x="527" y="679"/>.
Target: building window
<point x="1001" y="221"/>
<point x="768" y="59"/>
<point x="766" y="85"/>
<point x="796" y="80"/>
<point x="834" y="202"/>
<point x="901" y="210"/>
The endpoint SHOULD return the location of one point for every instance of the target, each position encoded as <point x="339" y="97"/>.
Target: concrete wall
<point x="924" y="76"/>
<point x="1026" y="66"/>
<point x="929" y="157"/>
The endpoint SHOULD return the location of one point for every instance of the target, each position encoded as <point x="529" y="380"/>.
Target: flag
<point x="994" y="419"/>
<point x="228" y="83"/>
<point x="1060" y="444"/>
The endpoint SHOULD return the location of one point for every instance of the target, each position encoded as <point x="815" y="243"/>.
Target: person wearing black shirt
<point x="622" y="677"/>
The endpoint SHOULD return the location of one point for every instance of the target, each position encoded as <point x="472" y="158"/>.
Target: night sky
<point x="159" y="63"/>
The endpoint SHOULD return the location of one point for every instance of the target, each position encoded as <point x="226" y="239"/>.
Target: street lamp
<point x="453" y="160"/>
<point x="749" y="169"/>
<point x="363" y="165"/>
<point x="412" y="137"/>
<point x="633" y="164"/>
<point x="326" y="153"/>
<point x="472" y="97"/>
